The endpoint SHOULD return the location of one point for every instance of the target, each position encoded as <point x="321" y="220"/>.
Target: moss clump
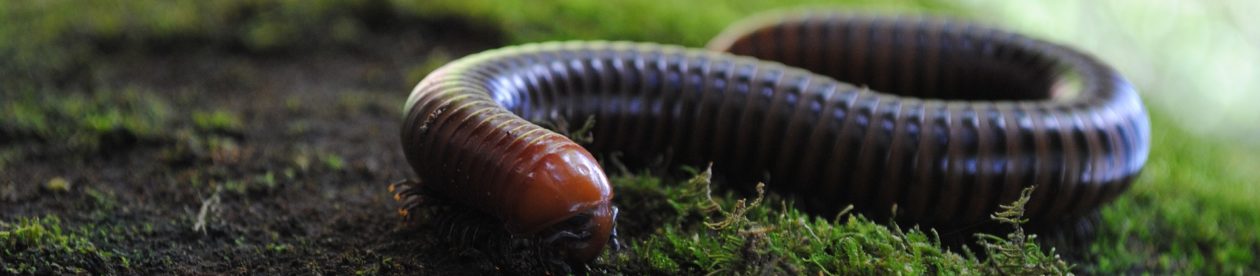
<point x="218" y="121"/>
<point x="702" y="233"/>
<point x="84" y="122"/>
<point x="39" y="246"/>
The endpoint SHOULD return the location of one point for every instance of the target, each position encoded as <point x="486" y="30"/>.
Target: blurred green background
<point x="71" y="89"/>
<point x="1195" y="59"/>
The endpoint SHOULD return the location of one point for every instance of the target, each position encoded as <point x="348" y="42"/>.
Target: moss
<point x="102" y="203"/>
<point x="262" y="183"/>
<point x="1018" y="253"/>
<point x="333" y="161"/>
<point x="712" y="233"/>
<point x="85" y="122"/>
<point x="218" y="121"/>
<point x="267" y="180"/>
<point x="40" y="246"/>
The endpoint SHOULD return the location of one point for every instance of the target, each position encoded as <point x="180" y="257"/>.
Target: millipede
<point x="941" y="119"/>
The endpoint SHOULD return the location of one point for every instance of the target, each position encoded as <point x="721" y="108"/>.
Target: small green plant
<point x="1018" y="253"/>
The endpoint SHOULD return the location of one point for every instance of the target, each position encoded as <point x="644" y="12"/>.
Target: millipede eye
<point x="579" y="220"/>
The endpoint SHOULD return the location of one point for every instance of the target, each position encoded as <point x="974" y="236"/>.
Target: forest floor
<point x="160" y="145"/>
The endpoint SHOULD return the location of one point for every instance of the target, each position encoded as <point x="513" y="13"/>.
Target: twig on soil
<point x="207" y="205"/>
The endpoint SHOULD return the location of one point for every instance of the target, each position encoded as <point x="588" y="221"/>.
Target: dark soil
<point x="301" y="184"/>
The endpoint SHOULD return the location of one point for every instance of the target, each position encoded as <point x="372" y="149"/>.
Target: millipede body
<point x="941" y="119"/>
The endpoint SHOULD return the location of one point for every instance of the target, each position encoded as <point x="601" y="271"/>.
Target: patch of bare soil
<point x="299" y="187"/>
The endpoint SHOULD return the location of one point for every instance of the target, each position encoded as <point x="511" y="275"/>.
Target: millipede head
<point x="567" y="202"/>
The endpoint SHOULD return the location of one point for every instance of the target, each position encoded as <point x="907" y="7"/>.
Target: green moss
<point x="700" y="232"/>
<point x="263" y="183"/>
<point x="217" y="121"/>
<point x="102" y="203"/>
<point x="267" y="180"/>
<point x="40" y="246"/>
<point x="333" y="161"/>
<point x="84" y="122"/>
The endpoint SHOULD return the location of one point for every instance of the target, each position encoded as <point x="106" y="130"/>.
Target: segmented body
<point x="944" y="120"/>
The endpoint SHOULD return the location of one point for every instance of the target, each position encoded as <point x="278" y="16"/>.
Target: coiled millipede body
<point x="943" y="120"/>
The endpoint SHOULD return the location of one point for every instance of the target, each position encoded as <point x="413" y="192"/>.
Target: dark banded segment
<point x="943" y="120"/>
<point x="1001" y="112"/>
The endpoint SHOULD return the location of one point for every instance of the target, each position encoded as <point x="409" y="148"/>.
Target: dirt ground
<point x="299" y="187"/>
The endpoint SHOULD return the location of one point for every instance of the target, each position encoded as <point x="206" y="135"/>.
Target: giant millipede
<point x="944" y="120"/>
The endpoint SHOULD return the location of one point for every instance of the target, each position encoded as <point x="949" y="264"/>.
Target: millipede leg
<point x="407" y="194"/>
